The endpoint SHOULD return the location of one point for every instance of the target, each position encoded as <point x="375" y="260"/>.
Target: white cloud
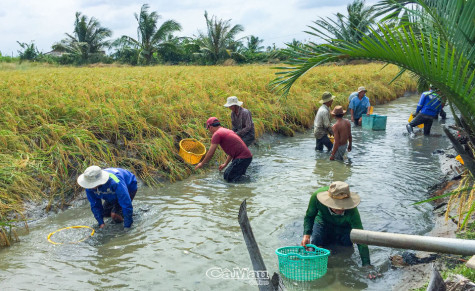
<point x="46" y="22"/>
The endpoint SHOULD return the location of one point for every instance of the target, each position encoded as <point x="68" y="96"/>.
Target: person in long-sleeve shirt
<point x="116" y="186"/>
<point x="241" y="120"/>
<point x="322" y="126"/>
<point x="330" y="217"/>
<point x="427" y="110"/>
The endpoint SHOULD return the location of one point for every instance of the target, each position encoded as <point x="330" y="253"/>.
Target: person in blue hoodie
<point x="427" y="110"/>
<point x="117" y="187"/>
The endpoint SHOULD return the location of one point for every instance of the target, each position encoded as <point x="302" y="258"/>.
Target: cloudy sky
<point x="46" y="22"/>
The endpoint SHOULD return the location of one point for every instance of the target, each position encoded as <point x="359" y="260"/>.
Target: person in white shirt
<point x="322" y="124"/>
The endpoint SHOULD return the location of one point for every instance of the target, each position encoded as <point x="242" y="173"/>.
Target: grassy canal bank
<point x="58" y="121"/>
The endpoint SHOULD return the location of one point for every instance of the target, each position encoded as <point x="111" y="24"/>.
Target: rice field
<point x="57" y="121"/>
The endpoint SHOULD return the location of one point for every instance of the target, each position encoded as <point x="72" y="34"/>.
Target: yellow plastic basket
<point x="411" y="118"/>
<point x="191" y="150"/>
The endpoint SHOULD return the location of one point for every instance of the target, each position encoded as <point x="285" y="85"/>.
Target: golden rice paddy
<point x="55" y="122"/>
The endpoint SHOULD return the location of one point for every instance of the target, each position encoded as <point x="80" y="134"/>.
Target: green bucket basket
<point x="296" y="263"/>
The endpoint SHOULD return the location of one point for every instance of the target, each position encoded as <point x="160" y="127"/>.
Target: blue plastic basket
<point x="298" y="264"/>
<point x="374" y="122"/>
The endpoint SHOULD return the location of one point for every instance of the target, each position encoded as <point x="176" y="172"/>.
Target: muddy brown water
<point x="186" y="235"/>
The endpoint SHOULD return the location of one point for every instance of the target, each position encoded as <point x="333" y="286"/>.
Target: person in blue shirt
<point x="359" y="105"/>
<point x="427" y="110"/>
<point x="117" y="187"/>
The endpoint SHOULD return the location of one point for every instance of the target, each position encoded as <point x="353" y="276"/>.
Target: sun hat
<point x="212" y="121"/>
<point x="338" y="110"/>
<point x="233" y="100"/>
<point x="362" y="89"/>
<point x="327" y="96"/>
<point x="339" y="196"/>
<point x="93" y="177"/>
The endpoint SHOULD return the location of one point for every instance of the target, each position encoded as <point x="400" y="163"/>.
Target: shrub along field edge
<point x="58" y="121"/>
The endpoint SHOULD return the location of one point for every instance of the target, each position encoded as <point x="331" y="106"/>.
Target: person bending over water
<point x="117" y="187"/>
<point x="232" y="145"/>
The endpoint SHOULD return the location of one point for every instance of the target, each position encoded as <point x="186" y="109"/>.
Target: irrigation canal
<point x="183" y="230"/>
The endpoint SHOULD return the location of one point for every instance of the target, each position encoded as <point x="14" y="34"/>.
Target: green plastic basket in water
<point x="298" y="264"/>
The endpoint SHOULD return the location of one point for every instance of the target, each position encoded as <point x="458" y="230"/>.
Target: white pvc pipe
<point x="414" y="242"/>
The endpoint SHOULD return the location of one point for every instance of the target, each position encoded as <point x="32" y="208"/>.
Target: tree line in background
<point x="155" y="43"/>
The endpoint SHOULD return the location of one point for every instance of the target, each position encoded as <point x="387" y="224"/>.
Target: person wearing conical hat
<point x="241" y="120"/>
<point x="322" y="126"/>
<point x="342" y="133"/>
<point x="330" y="217"/>
<point x="116" y="186"/>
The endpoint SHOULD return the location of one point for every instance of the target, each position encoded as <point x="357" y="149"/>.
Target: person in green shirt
<point x="330" y="217"/>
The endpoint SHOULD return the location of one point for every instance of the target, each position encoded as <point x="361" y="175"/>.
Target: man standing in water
<point x="330" y="217"/>
<point x="342" y="132"/>
<point x="117" y="187"/>
<point x="322" y="125"/>
<point x="241" y="120"/>
<point x="427" y="110"/>
<point x="232" y="145"/>
<point x="359" y="105"/>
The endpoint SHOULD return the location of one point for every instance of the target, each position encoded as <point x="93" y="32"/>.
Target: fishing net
<point x="70" y="234"/>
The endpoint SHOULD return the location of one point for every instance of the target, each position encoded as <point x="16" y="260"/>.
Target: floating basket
<point x="298" y="264"/>
<point x="191" y="150"/>
<point x="332" y="138"/>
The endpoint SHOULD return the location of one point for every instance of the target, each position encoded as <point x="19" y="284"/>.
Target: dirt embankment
<point x="417" y="275"/>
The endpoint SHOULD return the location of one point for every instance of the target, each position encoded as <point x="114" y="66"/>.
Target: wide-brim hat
<point x="339" y="197"/>
<point x="327" y="96"/>
<point x="362" y="89"/>
<point x="338" y="110"/>
<point x="233" y="100"/>
<point x="93" y="177"/>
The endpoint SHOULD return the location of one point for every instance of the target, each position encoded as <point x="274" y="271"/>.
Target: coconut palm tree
<point x="219" y="40"/>
<point x="150" y="37"/>
<point x="254" y="44"/>
<point x="352" y="27"/>
<point x="253" y="50"/>
<point x="88" y="38"/>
